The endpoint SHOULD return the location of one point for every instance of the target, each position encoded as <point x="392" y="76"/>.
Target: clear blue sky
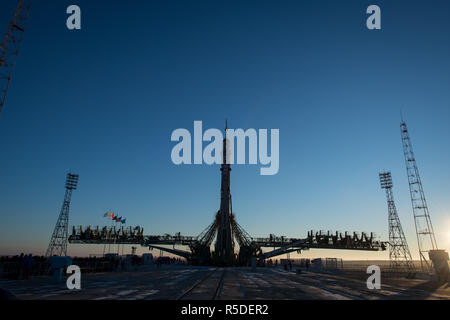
<point x="102" y="102"/>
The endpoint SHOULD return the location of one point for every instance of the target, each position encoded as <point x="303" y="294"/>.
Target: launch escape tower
<point x="399" y="254"/>
<point x="58" y="242"/>
<point x="9" y="47"/>
<point x="424" y="229"/>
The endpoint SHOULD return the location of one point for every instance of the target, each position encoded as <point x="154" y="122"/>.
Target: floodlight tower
<point x="424" y="229"/>
<point x="399" y="254"/>
<point x="9" y="47"/>
<point x="58" y="242"/>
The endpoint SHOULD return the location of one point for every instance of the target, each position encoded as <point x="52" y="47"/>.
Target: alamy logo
<point x="74" y="280"/>
<point x="213" y="152"/>
<point x="374" y="20"/>
<point x="374" y="281"/>
<point x="73" y="22"/>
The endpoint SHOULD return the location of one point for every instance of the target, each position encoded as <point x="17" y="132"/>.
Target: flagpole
<point x="115" y="235"/>
<point x="120" y="223"/>
<point x="104" y="245"/>
<point x="123" y="244"/>
<point x="118" y="243"/>
<point x="109" y="243"/>
<point x="107" y="237"/>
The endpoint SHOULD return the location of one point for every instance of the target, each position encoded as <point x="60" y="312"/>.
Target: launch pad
<point x="233" y="246"/>
<point x="172" y="282"/>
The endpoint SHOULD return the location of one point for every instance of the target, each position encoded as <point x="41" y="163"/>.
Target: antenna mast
<point x="424" y="229"/>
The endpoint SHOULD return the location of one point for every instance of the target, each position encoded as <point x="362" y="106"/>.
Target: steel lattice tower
<point x="58" y="242"/>
<point x="424" y="229"/>
<point x="399" y="254"/>
<point x="9" y="47"/>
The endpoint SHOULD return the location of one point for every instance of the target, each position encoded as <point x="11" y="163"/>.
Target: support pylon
<point x="424" y="229"/>
<point x="58" y="242"/>
<point x="9" y="47"/>
<point x="399" y="255"/>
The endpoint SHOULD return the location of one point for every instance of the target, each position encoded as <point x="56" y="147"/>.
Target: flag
<point x="107" y="213"/>
<point x="123" y="221"/>
<point x="111" y="216"/>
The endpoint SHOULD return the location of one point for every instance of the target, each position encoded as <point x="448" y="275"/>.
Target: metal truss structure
<point x="58" y="242"/>
<point x="9" y="47"/>
<point x="229" y="235"/>
<point x="250" y="247"/>
<point x="424" y="229"/>
<point x="399" y="254"/>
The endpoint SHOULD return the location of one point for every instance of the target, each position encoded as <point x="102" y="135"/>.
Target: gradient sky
<point x="103" y="101"/>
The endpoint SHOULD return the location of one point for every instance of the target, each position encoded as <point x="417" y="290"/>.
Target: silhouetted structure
<point x="58" y="242"/>
<point x="225" y="226"/>
<point x="9" y="47"/>
<point x="228" y="234"/>
<point x="424" y="229"/>
<point x="224" y="247"/>
<point x="399" y="254"/>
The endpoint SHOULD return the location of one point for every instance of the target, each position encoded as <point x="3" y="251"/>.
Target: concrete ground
<point x="206" y="283"/>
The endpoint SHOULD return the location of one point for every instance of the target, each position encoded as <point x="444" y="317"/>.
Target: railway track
<point x="198" y="290"/>
<point x="219" y="287"/>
